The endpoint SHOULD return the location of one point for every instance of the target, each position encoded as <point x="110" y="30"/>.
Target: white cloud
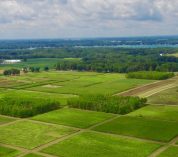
<point x="68" y="18"/>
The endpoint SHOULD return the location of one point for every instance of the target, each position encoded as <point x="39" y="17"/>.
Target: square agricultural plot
<point x="166" y="97"/>
<point x="8" y="152"/>
<point x="141" y="127"/>
<point x="74" y="117"/>
<point x="157" y="112"/>
<point x="29" y="134"/>
<point x="90" y="144"/>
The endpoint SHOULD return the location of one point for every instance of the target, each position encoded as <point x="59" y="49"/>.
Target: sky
<point x="24" y="19"/>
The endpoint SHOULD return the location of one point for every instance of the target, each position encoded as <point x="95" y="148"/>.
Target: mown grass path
<point x="152" y="88"/>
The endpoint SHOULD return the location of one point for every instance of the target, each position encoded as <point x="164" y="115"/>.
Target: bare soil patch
<point x="52" y="86"/>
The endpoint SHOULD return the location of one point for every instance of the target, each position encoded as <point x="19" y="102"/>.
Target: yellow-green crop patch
<point x="167" y="97"/>
<point x="73" y="117"/>
<point x="145" y="128"/>
<point x="157" y="112"/>
<point x="8" y="152"/>
<point x="91" y="144"/>
<point x="29" y="134"/>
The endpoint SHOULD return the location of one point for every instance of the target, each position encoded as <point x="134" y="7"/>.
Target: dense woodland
<point x="121" y="60"/>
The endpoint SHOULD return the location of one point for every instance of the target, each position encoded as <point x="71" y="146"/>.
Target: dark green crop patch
<point x="151" y="75"/>
<point x="26" y="106"/>
<point x="108" y="104"/>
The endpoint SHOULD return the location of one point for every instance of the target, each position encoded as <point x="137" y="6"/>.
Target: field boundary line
<point x="163" y="148"/>
<point x="14" y="147"/>
<point x="13" y="122"/>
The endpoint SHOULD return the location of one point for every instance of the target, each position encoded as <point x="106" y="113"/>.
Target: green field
<point x="73" y="117"/>
<point x="141" y="128"/>
<point x="98" y="136"/>
<point x="40" y="62"/>
<point x="61" y="85"/>
<point x="8" y="152"/>
<point x="170" y="152"/>
<point x="167" y="97"/>
<point x="96" y="145"/>
<point x="93" y="84"/>
<point x="157" y="112"/>
<point x="30" y="135"/>
<point x="32" y="155"/>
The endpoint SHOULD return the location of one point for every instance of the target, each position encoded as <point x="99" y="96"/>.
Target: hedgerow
<point x="152" y="75"/>
<point x="108" y="104"/>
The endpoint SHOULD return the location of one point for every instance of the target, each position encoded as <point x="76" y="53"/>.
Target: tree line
<point x="120" y="60"/>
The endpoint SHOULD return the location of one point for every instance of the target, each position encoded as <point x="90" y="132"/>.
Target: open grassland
<point x="170" y="152"/>
<point x="167" y="97"/>
<point x="169" y="113"/>
<point x="8" y="152"/>
<point x="30" y="135"/>
<point x="90" y="144"/>
<point x="93" y="84"/>
<point x="73" y="117"/>
<point x="141" y="127"/>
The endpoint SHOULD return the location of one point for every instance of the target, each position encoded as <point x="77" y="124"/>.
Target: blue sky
<point x="87" y="18"/>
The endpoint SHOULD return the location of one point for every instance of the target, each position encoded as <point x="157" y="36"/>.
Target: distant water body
<point x="133" y="46"/>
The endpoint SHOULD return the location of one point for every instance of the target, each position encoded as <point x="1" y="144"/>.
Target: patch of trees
<point x="19" y="106"/>
<point x="108" y="104"/>
<point x="30" y="69"/>
<point x="120" y="60"/>
<point x="152" y="75"/>
<point x="11" y="72"/>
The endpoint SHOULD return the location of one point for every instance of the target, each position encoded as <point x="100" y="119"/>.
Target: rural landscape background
<point x="88" y="78"/>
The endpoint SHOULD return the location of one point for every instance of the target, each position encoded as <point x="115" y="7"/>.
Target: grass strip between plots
<point x="8" y="152"/>
<point x="5" y="120"/>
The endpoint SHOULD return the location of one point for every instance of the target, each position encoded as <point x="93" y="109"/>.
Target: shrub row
<point x="11" y="72"/>
<point x="108" y="104"/>
<point x="152" y="75"/>
<point x="19" y="106"/>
